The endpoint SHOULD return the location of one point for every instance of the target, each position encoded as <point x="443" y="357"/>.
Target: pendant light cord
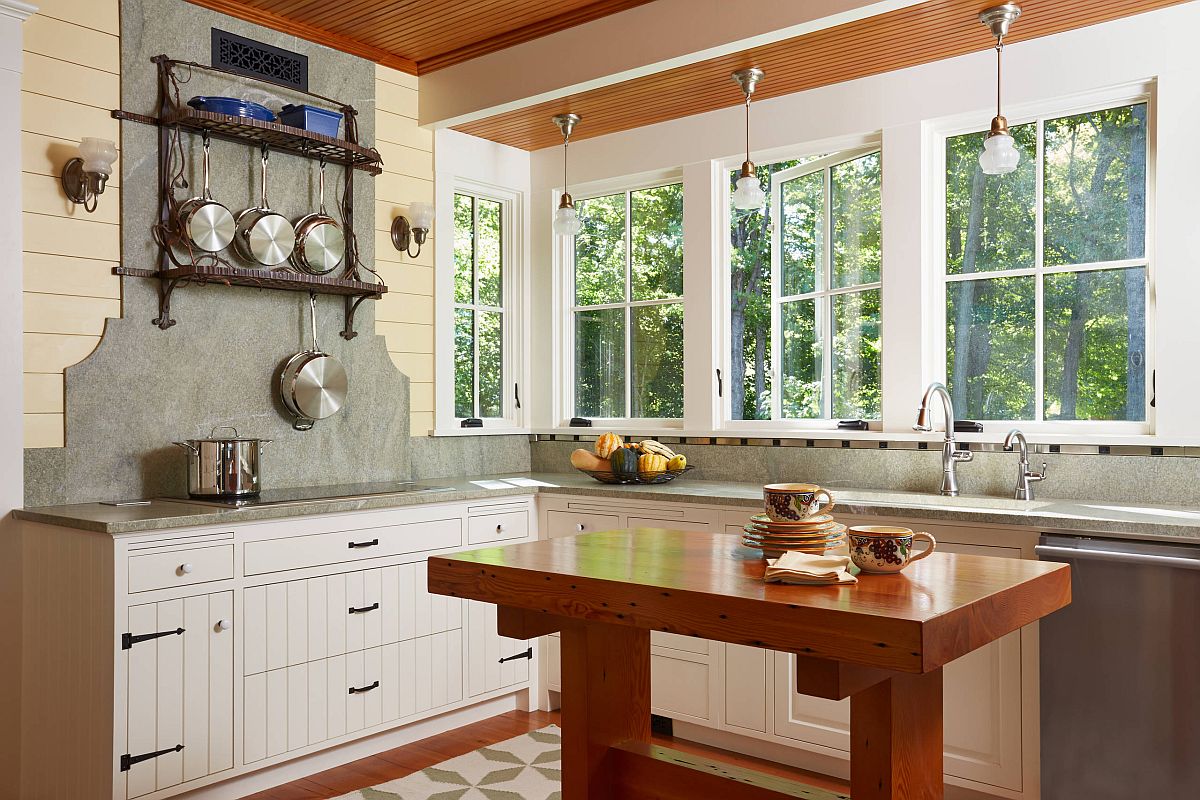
<point x="566" y="141"/>
<point x="747" y="126"/>
<point x="999" y="53"/>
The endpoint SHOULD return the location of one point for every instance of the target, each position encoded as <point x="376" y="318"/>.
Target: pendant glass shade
<point x="566" y="221"/>
<point x="749" y="194"/>
<point x="1000" y="155"/>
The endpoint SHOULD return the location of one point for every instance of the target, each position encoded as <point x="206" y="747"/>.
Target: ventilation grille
<point x="258" y="60"/>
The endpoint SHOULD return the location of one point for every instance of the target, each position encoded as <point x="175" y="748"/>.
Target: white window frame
<point x="1039" y="113"/>
<point x="513" y="335"/>
<point x="836" y="151"/>
<point x="566" y="260"/>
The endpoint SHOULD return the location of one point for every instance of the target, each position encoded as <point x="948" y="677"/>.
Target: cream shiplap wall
<point x="70" y="83"/>
<point x="405" y="314"/>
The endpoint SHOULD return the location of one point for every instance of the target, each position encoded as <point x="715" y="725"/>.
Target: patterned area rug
<point x="527" y="767"/>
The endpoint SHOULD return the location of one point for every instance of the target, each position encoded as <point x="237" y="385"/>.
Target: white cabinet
<point x="745" y="690"/>
<point x="179" y="690"/>
<point x="493" y="661"/>
<point x="570" y="523"/>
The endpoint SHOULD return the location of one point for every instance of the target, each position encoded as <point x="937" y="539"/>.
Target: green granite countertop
<point x="1114" y="519"/>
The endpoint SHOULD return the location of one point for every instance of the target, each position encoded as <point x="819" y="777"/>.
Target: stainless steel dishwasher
<point x="1120" y="672"/>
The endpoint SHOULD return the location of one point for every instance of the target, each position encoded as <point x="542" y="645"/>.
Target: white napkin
<point x="793" y="567"/>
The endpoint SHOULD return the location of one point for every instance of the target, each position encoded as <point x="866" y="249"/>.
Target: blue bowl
<point x="233" y="107"/>
<point x="311" y="118"/>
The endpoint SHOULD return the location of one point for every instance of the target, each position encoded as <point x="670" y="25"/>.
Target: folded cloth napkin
<point x="793" y="567"/>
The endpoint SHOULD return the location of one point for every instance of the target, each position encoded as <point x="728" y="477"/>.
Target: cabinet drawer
<point x="319" y="549"/>
<point x="679" y="688"/>
<point x="180" y="568"/>
<point x="674" y="641"/>
<point x="569" y="523"/>
<point x="497" y="527"/>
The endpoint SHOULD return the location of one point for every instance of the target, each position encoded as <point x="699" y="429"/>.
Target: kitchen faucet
<point x="951" y="455"/>
<point x="1025" y="478"/>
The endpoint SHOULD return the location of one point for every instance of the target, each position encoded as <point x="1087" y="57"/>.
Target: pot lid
<point x="212" y="436"/>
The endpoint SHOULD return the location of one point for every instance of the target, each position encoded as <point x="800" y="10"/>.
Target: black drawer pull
<point x="361" y="689"/>
<point x="128" y="640"/>
<point x="128" y="761"/>
<point x="364" y="609"/>
<point x="371" y="543"/>
<point x="527" y="654"/>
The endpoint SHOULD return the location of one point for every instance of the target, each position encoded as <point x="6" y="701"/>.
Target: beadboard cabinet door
<point x="493" y="661"/>
<point x="180" y="692"/>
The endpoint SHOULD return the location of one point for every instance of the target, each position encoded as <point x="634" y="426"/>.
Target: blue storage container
<point x="233" y="107"/>
<point x="311" y="118"/>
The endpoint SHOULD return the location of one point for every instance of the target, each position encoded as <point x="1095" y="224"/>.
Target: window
<point x="805" y="298"/>
<point x="627" y="310"/>
<point x="479" y="316"/>
<point x="1047" y="273"/>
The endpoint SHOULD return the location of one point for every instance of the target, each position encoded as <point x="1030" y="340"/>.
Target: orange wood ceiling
<point x="906" y="37"/>
<point x="419" y="36"/>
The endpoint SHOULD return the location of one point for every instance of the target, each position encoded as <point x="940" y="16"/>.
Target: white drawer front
<point x="674" y="641"/>
<point x="295" y="552"/>
<point x="180" y="568"/>
<point x="306" y="620"/>
<point x="569" y="523"/>
<point x="678" y="687"/>
<point x="497" y="527"/>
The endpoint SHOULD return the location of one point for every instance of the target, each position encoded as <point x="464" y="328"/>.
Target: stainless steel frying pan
<point x="264" y="236"/>
<point x="313" y="384"/>
<point x="320" y="244"/>
<point x="204" y="222"/>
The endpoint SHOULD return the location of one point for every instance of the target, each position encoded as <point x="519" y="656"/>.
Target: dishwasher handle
<point x="1118" y="557"/>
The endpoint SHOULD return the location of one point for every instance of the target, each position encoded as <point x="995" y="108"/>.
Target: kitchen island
<point x="882" y="643"/>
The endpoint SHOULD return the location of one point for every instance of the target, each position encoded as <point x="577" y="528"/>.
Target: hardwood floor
<point x="417" y="756"/>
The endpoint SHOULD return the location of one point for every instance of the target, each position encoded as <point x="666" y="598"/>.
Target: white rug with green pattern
<point x="527" y="767"/>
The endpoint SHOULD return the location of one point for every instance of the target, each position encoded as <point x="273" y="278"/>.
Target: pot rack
<point x="182" y="265"/>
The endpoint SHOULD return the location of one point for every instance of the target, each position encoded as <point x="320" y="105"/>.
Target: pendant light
<point x="566" y="218"/>
<point x="1000" y="156"/>
<point x="749" y="193"/>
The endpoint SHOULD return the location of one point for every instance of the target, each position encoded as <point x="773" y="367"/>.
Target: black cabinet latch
<point x="527" y="654"/>
<point x="128" y="761"/>
<point x="128" y="640"/>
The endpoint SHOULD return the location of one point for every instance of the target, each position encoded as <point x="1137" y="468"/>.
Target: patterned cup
<point x="882" y="548"/>
<point x="793" y="502"/>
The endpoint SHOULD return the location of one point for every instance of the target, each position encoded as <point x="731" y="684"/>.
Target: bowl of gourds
<point x="614" y="460"/>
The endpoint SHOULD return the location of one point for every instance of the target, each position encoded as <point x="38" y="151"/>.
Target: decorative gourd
<point x="624" y="461"/>
<point x="589" y="461"/>
<point x="653" y="446"/>
<point x="607" y="443"/>
<point x="651" y="463"/>
<point x="677" y="463"/>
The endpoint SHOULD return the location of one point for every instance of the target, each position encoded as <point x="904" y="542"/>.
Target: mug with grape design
<point x="883" y="548"/>
<point x="795" y="502"/>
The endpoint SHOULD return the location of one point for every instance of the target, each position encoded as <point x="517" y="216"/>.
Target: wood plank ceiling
<point x="419" y="36"/>
<point x="914" y="35"/>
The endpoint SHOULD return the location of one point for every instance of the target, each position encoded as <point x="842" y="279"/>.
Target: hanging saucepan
<point x="205" y="223"/>
<point x="312" y="384"/>
<point x="264" y="236"/>
<point x="320" y="244"/>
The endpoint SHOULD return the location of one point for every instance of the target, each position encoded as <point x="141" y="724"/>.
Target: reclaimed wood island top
<point x="881" y="642"/>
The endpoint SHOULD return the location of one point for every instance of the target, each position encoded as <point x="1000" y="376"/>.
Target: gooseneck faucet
<point x="1025" y="478"/>
<point x="951" y="455"/>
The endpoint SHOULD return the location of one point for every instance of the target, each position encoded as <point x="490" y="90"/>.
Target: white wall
<point x="902" y="106"/>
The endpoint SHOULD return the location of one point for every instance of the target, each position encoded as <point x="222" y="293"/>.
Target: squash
<point x="677" y="463"/>
<point x="606" y="443"/>
<point x="589" y="461"/>
<point x="624" y="461"/>
<point x="652" y="464"/>
<point x="654" y="446"/>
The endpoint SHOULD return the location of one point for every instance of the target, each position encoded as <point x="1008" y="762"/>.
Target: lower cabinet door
<point x="745" y="691"/>
<point x="179" y="691"/>
<point x="679" y="685"/>
<point x="982" y="706"/>
<point x="493" y="661"/>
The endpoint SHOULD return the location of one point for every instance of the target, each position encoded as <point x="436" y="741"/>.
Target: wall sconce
<point x="406" y="231"/>
<point x="83" y="178"/>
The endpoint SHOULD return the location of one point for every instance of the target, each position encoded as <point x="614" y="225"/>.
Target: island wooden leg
<point x="896" y="739"/>
<point x="605" y="701"/>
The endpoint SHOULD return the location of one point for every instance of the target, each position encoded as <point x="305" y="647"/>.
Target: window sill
<point x="497" y="431"/>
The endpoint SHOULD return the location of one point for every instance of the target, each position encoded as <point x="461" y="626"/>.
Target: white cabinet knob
<point x="185" y="569"/>
<point x="579" y="526"/>
<point x="224" y="625"/>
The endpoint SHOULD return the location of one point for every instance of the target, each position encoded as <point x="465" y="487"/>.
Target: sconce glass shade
<point x="98" y="155"/>
<point x="1000" y="156"/>
<point x="421" y="215"/>
<point x="567" y="222"/>
<point x="749" y="194"/>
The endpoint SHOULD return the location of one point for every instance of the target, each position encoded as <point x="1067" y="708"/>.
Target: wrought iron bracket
<point x="352" y="304"/>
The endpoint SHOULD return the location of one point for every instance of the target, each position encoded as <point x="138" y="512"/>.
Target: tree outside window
<point x="478" y="307"/>
<point x="1046" y="272"/>
<point x="628" y="305"/>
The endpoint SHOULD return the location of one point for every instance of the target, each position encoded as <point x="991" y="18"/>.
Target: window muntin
<point x="805" y="271"/>
<point x="479" y="314"/>
<point x="1047" y="276"/>
<point x="627" y="313"/>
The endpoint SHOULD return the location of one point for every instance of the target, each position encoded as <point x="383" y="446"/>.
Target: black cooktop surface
<point x="311" y="494"/>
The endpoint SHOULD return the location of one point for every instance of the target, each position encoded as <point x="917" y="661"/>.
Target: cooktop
<point x="313" y="494"/>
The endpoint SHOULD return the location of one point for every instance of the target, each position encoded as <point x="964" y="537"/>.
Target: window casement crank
<point x="128" y="640"/>
<point x="527" y="654"/>
<point x="128" y="761"/>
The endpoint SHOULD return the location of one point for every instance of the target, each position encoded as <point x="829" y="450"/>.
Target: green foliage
<point x="478" y="267"/>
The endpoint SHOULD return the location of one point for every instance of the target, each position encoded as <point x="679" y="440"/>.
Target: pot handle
<point x="195" y="450"/>
<point x="212" y="434"/>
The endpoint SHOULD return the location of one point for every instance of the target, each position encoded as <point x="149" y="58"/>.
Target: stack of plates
<point x="815" y="534"/>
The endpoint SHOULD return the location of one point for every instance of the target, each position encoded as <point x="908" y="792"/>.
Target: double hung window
<point x="479" y="309"/>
